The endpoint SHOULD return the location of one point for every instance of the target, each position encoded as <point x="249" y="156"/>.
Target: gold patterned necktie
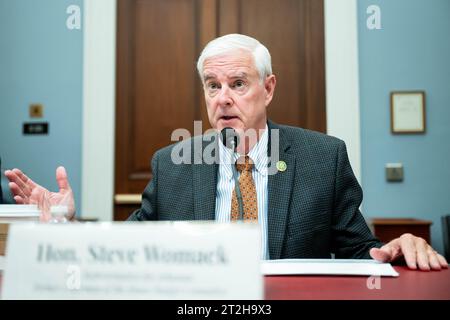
<point x="248" y="192"/>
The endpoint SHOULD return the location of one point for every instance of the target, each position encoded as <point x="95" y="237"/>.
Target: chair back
<point x="446" y="235"/>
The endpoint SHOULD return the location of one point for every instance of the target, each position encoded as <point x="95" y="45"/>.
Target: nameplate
<point x="159" y="260"/>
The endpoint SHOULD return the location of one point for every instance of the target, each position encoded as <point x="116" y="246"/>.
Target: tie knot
<point x="244" y="164"/>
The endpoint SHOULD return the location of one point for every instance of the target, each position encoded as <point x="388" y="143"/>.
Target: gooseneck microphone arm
<point x="230" y="139"/>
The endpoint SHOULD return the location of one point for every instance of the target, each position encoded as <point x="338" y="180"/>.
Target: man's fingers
<point x="42" y="199"/>
<point x="14" y="177"/>
<point x="23" y="186"/>
<point x="8" y="174"/>
<point x="422" y="254"/>
<point x="442" y="261"/>
<point x="24" y="177"/>
<point x="18" y="200"/>
<point x="417" y="252"/>
<point x="433" y="259"/>
<point x="17" y="191"/>
<point x="11" y="175"/>
<point x="409" y="250"/>
<point x="382" y="254"/>
<point x="61" y="179"/>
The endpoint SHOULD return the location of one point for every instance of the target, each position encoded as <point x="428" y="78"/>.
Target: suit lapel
<point x="205" y="186"/>
<point x="279" y="193"/>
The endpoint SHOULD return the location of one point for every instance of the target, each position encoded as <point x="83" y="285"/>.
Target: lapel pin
<point x="281" y="166"/>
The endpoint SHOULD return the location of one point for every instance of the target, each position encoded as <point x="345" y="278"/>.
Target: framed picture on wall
<point x="408" y="112"/>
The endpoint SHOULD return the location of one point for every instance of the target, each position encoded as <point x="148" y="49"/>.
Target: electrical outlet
<point x="394" y="172"/>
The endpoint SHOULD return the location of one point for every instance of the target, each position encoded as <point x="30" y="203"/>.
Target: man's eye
<point x="212" y="86"/>
<point x="239" y="84"/>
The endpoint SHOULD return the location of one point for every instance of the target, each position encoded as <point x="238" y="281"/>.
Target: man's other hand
<point x="416" y="251"/>
<point x="26" y="191"/>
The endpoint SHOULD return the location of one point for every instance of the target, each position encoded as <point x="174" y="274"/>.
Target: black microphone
<point x="230" y="139"/>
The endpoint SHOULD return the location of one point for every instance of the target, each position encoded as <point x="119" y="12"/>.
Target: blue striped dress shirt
<point x="225" y="185"/>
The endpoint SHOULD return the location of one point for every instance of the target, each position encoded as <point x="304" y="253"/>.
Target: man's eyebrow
<point x="241" y="75"/>
<point x="208" y="76"/>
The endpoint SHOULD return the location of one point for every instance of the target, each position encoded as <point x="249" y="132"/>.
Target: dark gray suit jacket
<point x="313" y="205"/>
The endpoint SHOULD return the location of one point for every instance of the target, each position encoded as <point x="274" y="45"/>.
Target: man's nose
<point x="225" y="99"/>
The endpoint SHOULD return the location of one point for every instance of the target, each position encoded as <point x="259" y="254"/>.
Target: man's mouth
<point x="228" y="117"/>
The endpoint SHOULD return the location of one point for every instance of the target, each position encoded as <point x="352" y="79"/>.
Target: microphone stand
<point x="233" y="141"/>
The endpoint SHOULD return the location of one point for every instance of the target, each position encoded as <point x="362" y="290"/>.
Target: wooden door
<point x="158" y="89"/>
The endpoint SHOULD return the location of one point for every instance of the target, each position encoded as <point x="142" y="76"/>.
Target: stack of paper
<point x="348" y="267"/>
<point x="15" y="213"/>
<point x="12" y="214"/>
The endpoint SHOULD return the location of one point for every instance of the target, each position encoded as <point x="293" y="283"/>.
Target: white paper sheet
<point x="18" y="213"/>
<point x="346" y="267"/>
<point x="18" y="208"/>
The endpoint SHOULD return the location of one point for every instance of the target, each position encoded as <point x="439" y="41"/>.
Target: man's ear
<point x="269" y="87"/>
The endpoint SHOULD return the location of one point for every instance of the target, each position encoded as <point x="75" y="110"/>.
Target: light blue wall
<point x="41" y="62"/>
<point x="412" y="51"/>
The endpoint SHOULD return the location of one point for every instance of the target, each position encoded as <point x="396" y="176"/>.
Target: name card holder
<point x="155" y="260"/>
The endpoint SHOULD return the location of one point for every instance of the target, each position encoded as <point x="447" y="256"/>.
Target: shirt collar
<point x="258" y="154"/>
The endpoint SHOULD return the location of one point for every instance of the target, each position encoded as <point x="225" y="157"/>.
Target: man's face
<point x="235" y="96"/>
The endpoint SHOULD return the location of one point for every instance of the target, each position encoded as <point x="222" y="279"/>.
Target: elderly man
<point x="307" y="209"/>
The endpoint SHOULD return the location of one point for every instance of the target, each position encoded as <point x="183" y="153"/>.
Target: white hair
<point x="233" y="42"/>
